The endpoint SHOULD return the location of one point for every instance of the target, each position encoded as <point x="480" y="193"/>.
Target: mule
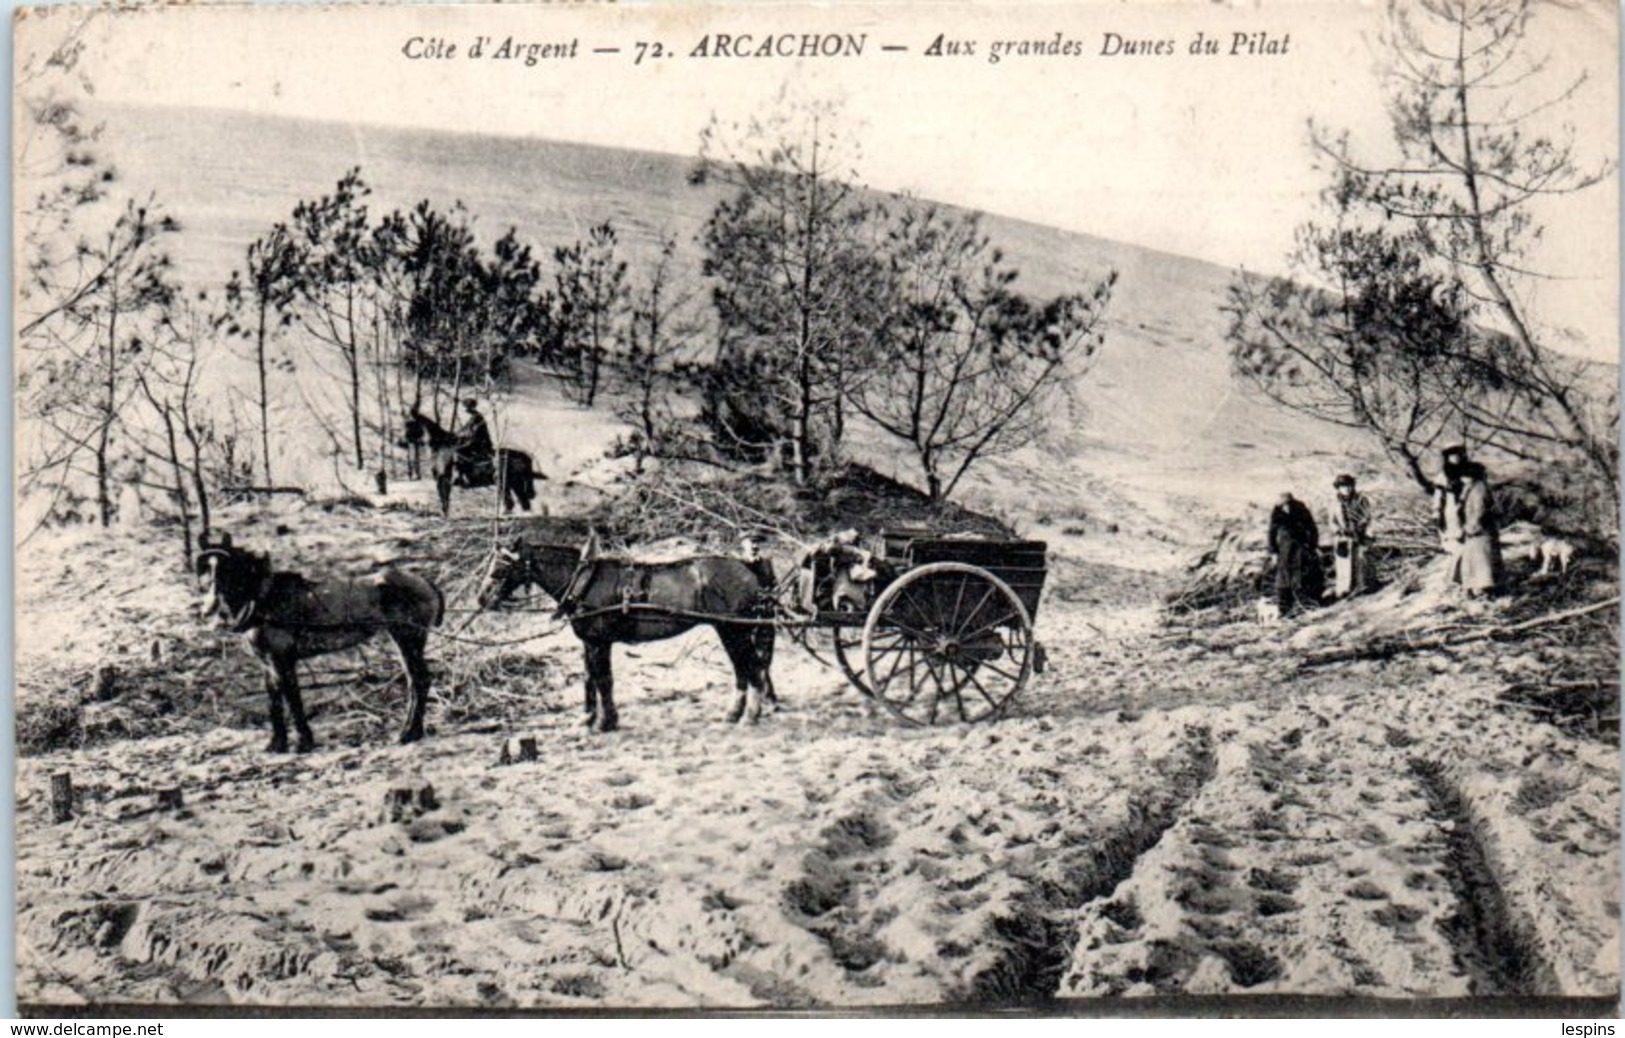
<point x="512" y="471"/>
<point x="612" y="601"/>
<point x="285" y="618"/>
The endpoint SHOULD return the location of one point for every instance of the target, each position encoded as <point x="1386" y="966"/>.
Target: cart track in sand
<point x="1153" y="818"/>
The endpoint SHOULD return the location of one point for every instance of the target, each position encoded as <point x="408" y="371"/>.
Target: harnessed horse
<point x="285" y="618"/>
<point x="613" y="601"/>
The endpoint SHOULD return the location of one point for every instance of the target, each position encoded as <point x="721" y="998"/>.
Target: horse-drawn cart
<point x="938" y="629"/>
<point x="935" y="628"/>
<point x="943" y="628"/>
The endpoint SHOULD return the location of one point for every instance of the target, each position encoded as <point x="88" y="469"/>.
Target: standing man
<point x="1295" y="544"/>
<point x="1350" y="521"/>
<point x="1467" y="524"/>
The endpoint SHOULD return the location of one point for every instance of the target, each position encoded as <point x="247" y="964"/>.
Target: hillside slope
<point x="1158" y="417"/>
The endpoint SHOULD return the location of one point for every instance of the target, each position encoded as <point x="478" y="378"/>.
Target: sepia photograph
<point x="1069" y="508"/>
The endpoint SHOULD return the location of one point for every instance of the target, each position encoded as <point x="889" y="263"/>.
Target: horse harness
<point x="242" y="620"/>
<point x="632" y="587"/>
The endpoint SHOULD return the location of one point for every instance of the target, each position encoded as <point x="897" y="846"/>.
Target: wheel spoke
<point x="912" y="633"/>
<point x="894" y="641"/>
<point x="917" y="613"/>
<point x="959" y="599"/>
<point x="987" y="593"/>
<point x="1002" y="621"/>
<point x="897" y="664"/>
<point x="995" y="668"/>
<point x="936" y="695"/>
<point x="959" y="698"/>
<point x="858" y="678"/>
<point x="985" y="695"/>
<point x="913" y="676"/>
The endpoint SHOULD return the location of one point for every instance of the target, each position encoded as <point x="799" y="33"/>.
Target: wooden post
<point x="527" y="748"/>
<point x="61" y="797"/>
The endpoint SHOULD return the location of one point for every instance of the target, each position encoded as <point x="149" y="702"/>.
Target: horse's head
<point x="231" y="577"/>
<point x="551" y="567"/>
<point x="506" y="572"/>
<point x="412" y="428"/>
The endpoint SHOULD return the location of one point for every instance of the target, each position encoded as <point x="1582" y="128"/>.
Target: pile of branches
<point x="1452" y="635"/>
<point x="714" y="509"/>
<point x="1226" y="579"/>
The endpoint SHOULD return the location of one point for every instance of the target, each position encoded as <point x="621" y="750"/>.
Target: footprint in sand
<point x="600" y="861"/>
<point x="1267" y="904"/>
<point x="1272" y="881"/>
<point x="1397" y="916"/>
<point x="1365" y="890"/>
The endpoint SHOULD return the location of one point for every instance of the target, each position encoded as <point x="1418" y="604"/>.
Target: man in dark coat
<point x="1295" y="545"/>
<point x="475" y="451"/>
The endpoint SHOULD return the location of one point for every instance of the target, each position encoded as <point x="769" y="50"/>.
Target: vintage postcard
<point x="1072" y="506"/>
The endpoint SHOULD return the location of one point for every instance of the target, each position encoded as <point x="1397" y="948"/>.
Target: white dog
<point x="1555" y="556"/>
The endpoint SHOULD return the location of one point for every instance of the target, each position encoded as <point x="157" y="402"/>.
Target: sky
<point x="1202" y="155"/>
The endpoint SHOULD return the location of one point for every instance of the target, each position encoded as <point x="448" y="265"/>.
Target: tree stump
<point x="527" y="751"/>
<point x="405" y="805"/>
<point x="104" y="686"/>
<point x="61" y="797"/>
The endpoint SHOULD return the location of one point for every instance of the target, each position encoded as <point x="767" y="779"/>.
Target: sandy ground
<point x="1157" y="816"/>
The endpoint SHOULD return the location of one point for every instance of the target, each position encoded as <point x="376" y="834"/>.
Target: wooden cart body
<point x="944" y="631"/>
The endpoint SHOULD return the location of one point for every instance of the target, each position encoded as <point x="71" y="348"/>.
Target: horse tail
<point x="439" y="604"/>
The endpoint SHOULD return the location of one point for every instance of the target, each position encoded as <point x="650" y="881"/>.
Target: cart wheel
<point x="849" y="654"/>
<point x="947" y="642"/>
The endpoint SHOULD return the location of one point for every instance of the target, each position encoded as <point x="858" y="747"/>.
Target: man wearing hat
<point x="1350" y="520"/>
<point x="1467" y="524"/>
<point x="474" y="446"/>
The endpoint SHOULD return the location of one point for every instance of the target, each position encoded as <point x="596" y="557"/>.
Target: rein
<point x="580" y="577"/>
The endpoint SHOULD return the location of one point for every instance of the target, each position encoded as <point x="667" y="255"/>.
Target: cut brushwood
<point x="1388" y="648"/>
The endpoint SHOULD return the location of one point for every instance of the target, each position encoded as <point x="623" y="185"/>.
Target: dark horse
<point x="286" y="618"/>
<point x="612" y="600"/>
<point x="513" y="470"/>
